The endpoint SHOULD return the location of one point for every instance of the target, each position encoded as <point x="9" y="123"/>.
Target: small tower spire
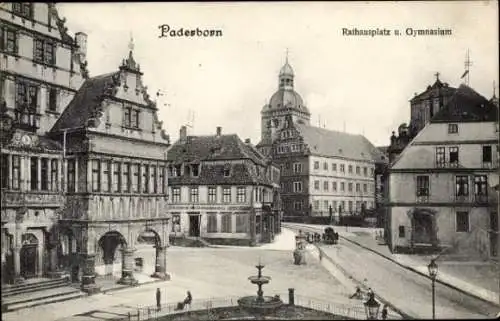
<point x="494" y="89"/>
<point x="437" y="75"/>
<point x="286" y="57"/>
<point x="131" y="43"/>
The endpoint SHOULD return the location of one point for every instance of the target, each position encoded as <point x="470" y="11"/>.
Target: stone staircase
<point x="36" y="292"/>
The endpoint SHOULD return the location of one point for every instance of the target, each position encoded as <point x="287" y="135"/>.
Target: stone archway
<point x="151" y="237"/>
<point x="29" y="256"/>
<point x="423" y="227"/>
<point x="109" y="250"/>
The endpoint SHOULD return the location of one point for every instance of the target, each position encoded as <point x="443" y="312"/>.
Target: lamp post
<point x="371" y="307"/>
<point x="433" y="270"/>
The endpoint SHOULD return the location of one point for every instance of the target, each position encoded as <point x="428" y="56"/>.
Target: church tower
<point x="284" y="102"/>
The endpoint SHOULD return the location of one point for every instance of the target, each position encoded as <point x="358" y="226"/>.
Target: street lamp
<point x="371" y="307"/>
<point x="433" y="271"/>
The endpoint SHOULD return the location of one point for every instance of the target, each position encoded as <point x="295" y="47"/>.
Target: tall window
<point x="106" y="176"/>
<point x="176" y="194"/>
<point x="211" y="223"/>
<point x="162" y="179"/>
<point x="52" y="106"/>
<point x="453" y="156"/>
<point x="54" y="169"/>
<point x="44" y="175"/>
<point x="117" y="177"/>
<point x="358" y="187"/>
<point x="131" y="117"/>
<point x="16" y="171"/>
<point x="481" y="185"/>
<point x="350" y="169"/>
<point x="422" y="185"/>
<point x="358" y="170"/>
<point x="242" y="223"/>
<point x="126" y="178"/>
<point x="342" y="186"/>
<point x="297" y="205"/>
<point x="5" y="171"/>
<point x="462" y="186"/>
<point x="34" y="173"/>
<point x="325" y="166"/>
<point x="325" y="185"/>
<point x="212" y="194"/>
<point x="26" y="105"/>
<point x="342" y="168"/>
<point x="349" y="187"/>
<point x="8" y="40"/>
<point x="297" y="187"/>
<point x="241" y="195"/>
<point x="452" y="128"/>
<point x="226" y="223"/>
<point x="44" y="51"/>
<point x="135" y="178"/>
<point x="316" y="185"/>
<point x="153" y="178"/>
<point x="226" y="195"/>
<point x="350" y="206"/>
<point x="440" y="157"/>
<point x="334" y="167"/>
<point x="316" y="165"/>
<point x="71" y="175"/>
<point x="96" y="175"/>
<point x="316" y="205"/>
<point x="297" y="167"/>
<point x="462" y="222"/>
<point x="227" y="170"/>
<point x="334" y="186"/>
<point x="365" y="171"/>
<point x="23" y="9"/>
<point x="487" y="154"/>
<point x="193" y="195"/>
<point x="145" y="178"/>
<point x="365" y="188"/>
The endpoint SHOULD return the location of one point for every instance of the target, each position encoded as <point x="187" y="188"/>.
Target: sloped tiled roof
<point x="466" y="105"/>
<point x="432" y="91"/>
<point x="86" y="103"/>
<point x="212" y="148"/>
<point x="198" y="148"/>
<point x="334" y="143"/>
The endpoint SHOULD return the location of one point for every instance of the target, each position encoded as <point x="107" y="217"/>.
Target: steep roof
<point x="223" y="147"/>
<point x="433" y="91"/>
<point x="466" y="105"/>
<point x="86" y="104"/>
<point x="334" y="143"/>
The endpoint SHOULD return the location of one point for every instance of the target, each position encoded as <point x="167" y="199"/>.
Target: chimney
<point x="81" y="42"/>
<point x="183" y="134"/>
<point x="247" y="141"/>
<point x="219" y="130"/>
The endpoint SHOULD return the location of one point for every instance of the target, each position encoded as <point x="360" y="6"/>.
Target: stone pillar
<point x="54" y="272"/>
<point x="76" y="175"/>
<point x="161" y="263"/>
<point x="88" y="278"/>
<point x="128" y="267"/>
<point x="17" y="265"/>
<point x="38" y="173"/>
<point x="291" y="296"/>
<point x="49" y="174"/>
<point x="9" y="173"/>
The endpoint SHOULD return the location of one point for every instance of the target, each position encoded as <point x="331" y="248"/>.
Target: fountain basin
<point x="259" y="279"/>
<point x="260" y="305"/>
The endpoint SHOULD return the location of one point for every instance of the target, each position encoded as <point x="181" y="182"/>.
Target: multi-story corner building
<point x="222" y="190"/>
<point x="322" y="171"/>
<point x="42" y="67"/>
<point x="83" y="176"/>
<point x="423" y="107"/>
<point x="442" y="185"/>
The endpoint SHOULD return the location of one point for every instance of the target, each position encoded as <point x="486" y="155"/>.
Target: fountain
<point x="260" y="305"/>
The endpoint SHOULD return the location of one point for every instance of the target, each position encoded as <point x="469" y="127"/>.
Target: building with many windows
<point x="442" y="186"/>
<point x="83" y="159"/>
<point x="222" y="190"/>
<point x="322" y="171"/>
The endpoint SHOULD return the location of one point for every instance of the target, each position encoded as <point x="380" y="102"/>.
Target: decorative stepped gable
<point x="90" y="108"/>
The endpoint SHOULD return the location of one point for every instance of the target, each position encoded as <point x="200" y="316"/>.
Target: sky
<point x="362" y="84"/>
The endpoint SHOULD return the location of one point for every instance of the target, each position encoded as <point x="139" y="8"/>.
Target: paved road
<point x="406" y="290"/>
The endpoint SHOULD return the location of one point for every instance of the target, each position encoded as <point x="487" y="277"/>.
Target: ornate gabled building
<point x="322" y="171"/>
<point x="442" y="186"/>
<point x="42" y="68"/>
<point x="84" y="174"/>
<point x="222" y="190"/>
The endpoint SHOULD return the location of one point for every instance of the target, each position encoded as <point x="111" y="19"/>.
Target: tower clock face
<point x="26" y="140"/>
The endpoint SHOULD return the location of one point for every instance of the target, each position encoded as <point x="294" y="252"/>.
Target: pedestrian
<point x="188" y="299"/>
<point x="158" y="299"/>
<point x="320" y="255"/>
<point x="384" y="312"/>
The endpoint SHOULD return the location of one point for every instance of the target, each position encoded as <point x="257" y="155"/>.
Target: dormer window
<point x="227" y="170"/>
<point x="177" y="171"/>
<point x="195" y="170"/>
<point x="187" y="170"/>
<point x="131" y="117"/>
<point x="452" y="128"/>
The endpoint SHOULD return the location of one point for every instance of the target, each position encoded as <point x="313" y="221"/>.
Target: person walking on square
<point x="188" y="299"/>
<point x="158" y="299"/>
